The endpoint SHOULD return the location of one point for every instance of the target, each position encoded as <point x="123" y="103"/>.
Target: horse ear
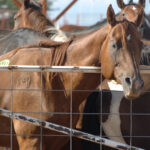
<point x="131" y="2"/>
<point x="140" y="17"/>
<point x="120" y="4"/>
<point x="26" y="4"/>
<point x="142" y="3"/>
<point x="44" y="6"/>
<point x="111" y="18"/>
<point x="18" y="4"/>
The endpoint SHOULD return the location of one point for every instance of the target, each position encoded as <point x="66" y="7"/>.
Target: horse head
<point x="122" y="5"/>
<point x="43" y="4"/>
<point x="26" y="9"/>
<point x="131" y="12"/>
<point x="30" y="15"/>
<point x="120" y="54"/>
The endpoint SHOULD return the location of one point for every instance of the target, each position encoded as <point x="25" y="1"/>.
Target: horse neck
<point x="85" y="52"/>
<point x="40" y="23"/>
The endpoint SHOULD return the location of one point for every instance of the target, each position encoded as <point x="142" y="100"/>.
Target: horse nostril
<point x="128" y="81"/>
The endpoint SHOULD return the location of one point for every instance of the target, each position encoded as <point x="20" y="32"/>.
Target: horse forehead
<point x="132" y="10"/>
<point x="117" y="32"/>
<point x="18" y="13"/>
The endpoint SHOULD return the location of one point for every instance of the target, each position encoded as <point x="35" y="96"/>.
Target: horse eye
<point x="119" y="44"/>
<point x="123" y="14"/>
<point x="117" y="64"/>
<point x="114" y="45"/>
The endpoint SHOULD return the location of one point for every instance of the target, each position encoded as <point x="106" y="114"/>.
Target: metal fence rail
<point x="85" y="69"/>
<point x="68" y="131"/>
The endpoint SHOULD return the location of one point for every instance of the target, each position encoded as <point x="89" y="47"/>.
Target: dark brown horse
<point x="109" y="114"/>
<point x="117" y="124"/>
<point x="108" y="47"/>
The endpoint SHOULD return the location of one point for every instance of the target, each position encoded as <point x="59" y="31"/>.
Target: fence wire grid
<point x="69" y="133"/>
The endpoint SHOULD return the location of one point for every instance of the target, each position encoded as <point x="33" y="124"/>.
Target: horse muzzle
<point x="132" y="87"/>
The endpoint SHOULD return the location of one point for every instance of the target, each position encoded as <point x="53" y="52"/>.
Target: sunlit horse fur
<point x="109" y="42"/>
<point x="139" y="106"/>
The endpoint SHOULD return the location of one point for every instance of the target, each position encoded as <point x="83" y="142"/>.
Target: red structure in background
<point x="5" y="15"/>
<point x="65" y="10"/>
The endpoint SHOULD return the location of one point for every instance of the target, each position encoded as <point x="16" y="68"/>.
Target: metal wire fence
<point x="69" y="131"/>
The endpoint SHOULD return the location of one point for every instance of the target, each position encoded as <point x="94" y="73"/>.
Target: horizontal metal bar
<point x="68" y="131"/>
<point x="85" y="69"/>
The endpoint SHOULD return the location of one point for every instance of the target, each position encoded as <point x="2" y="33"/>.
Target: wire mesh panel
<point x="101" y="118"/>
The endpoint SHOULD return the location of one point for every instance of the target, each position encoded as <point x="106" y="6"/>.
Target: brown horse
<point x="119" y="119"/>
<point x="70" y="27"/>
<point x="30" y="16"/>
<point x="26" y="18"/>
<point x="130" y="12"/>
<point x="25" y="10"/>
<point x="43" y="4"/>
<point x="108" y="47"/>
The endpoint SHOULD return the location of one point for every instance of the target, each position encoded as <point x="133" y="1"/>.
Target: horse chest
<point x="23" y="81"/>
<point x="112" y="126"/>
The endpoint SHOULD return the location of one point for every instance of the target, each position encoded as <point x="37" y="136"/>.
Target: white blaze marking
<point x="129" y="37"/>
<point x="114" y="86"/>
<point x="112" y="126"/>
<point x="134" y="8"/>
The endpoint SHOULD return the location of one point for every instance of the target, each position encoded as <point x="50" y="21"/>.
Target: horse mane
<point x="55" y="34"/>
<point x="57" y="54"/>
<point x="41" y="23"/>
<point x="38" y="21"/>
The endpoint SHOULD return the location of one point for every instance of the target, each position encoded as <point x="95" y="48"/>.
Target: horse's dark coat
<point x="19" y="38"/>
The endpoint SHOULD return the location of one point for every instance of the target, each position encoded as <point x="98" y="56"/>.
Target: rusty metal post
<point x="18" y="4"/>
<point x="44" y="6"/>
<point x="3" y="23"/>
<point x="65" y="10"/>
